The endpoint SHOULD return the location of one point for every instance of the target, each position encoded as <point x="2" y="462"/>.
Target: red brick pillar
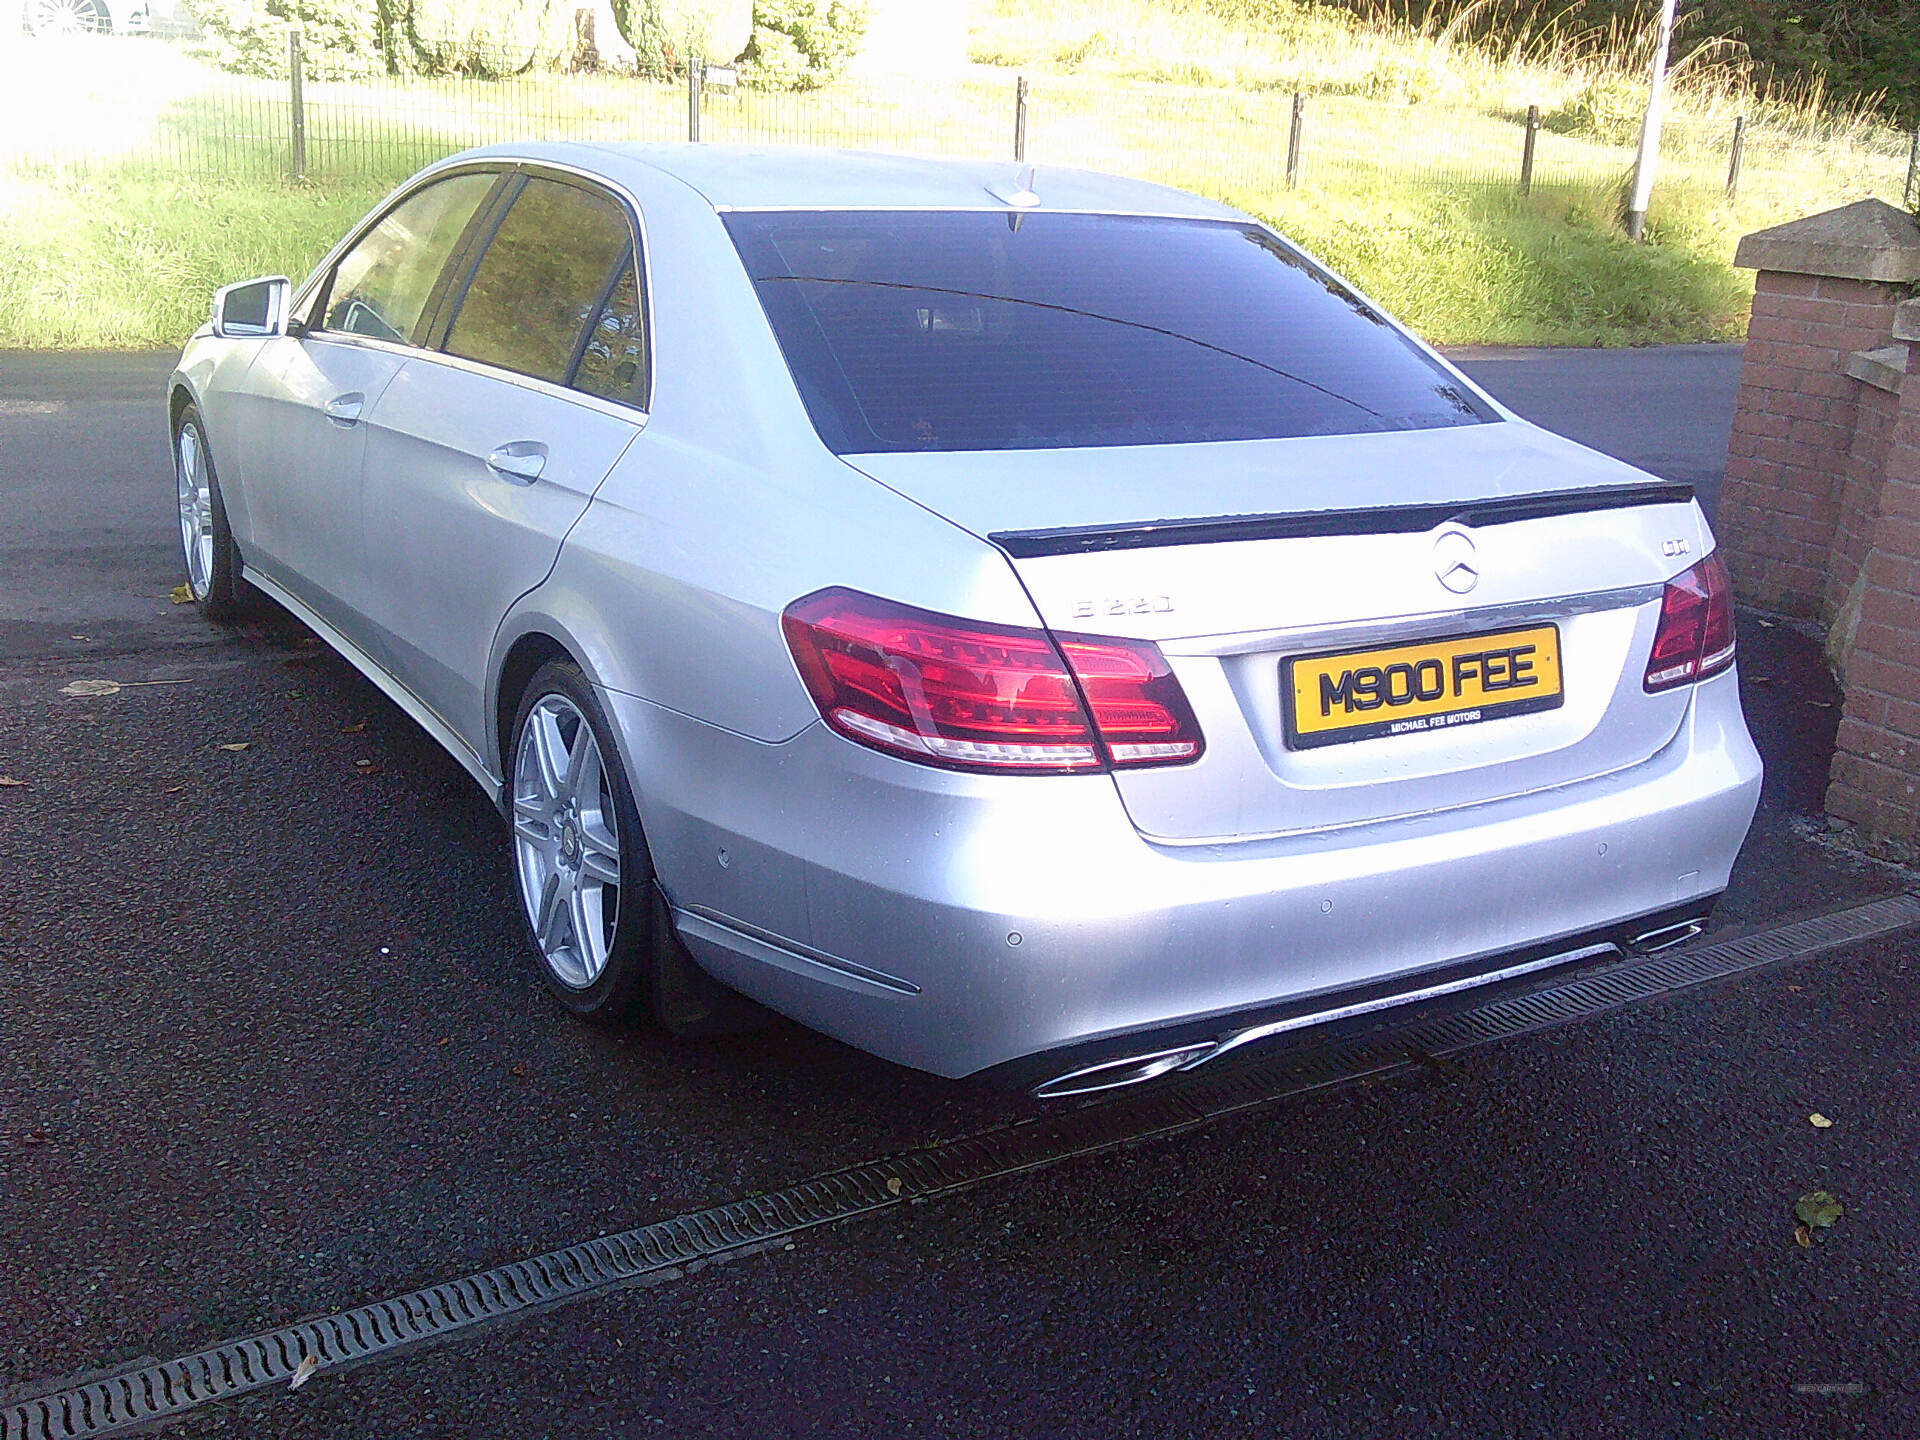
<point x="1820" y="512"/>
<point x="1876" y="767"/>
<point x="1827" y="289"/>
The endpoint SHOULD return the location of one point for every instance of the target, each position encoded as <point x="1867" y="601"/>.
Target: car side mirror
<point x="253" y="307"/>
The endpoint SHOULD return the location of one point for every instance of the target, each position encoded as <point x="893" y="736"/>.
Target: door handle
<point x="520" y="461"/>
<point x="345" y="409"/>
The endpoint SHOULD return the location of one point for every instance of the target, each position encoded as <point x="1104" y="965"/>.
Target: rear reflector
<point x="1695" y="637"/>
<point x="973" y="696"/>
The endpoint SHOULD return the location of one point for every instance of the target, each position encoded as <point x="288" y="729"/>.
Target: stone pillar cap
<point x="1867" y="240"/>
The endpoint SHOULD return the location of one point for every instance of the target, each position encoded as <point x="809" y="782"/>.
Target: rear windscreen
<point x="957" y="330"/>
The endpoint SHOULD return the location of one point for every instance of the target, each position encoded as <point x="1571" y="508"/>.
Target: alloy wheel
<point x="64" y="17"/>
<point x="566" y="841"/>
<point x="196" y="509"/>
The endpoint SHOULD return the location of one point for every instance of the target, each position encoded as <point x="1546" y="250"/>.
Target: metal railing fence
<point x="151" y="104"/>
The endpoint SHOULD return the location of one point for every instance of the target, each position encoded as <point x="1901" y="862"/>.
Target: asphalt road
<point x="271" y="1044"/>
<point x="1668" y="409"/>
<point x="86" y="530"/>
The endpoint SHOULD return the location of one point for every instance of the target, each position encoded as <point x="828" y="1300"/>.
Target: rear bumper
<point x="957" y="923"/>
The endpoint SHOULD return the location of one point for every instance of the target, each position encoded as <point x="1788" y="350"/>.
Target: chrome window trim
<point x="619" y="410"/>
<point x="999" y="207"/>
<point x="506" y="165"/>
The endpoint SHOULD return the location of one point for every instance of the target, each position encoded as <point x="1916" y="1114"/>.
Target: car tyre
<point x="206" y="540"/>
<point x="580" y="863"/>
<point x="582" y="867"/>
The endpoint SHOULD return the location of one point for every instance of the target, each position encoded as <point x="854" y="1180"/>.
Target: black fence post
<point x="1910" y="193"/>
<point x="1526" y="151"/>
<point x="1293" y="139"/>
<point x="296" y="95"/>
<point x="694" y="67"/>
<point x="1739" y="154"/>
<point x="1020" y="120"/>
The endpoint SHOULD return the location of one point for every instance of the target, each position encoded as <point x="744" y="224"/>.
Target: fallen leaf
<point x="109" y="687"/>
<point x="181" y="595"/>
<point x="1764" y="624"/>
<point x="365" y="767"/>
<point x="444" y="1041"/>
<point x="7" y="782"/>
<point x="357" y="728"/>
<point x="1819" y="1121"/>
<point x="520" y="1070"/>
<point x="237" y="745"/>
<point x="1821" y="704"/>
<point x="1760" y="679"/>
<point x="1817" y="1209"/>
<point x="1796" y="989"/>
<point x="893" y="1185"/>
<point x="173" y="790"/>
<point x="303" y="1372"/>
<point x="80" y="637"/>
<point x="1802" y="1237"/>
<point x="37" y="1137"/>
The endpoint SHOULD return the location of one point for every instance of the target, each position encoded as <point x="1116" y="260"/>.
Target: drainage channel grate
<point x="153" y="1392"/>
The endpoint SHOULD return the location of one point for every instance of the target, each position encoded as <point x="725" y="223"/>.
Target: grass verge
<point x="127" y="262"/>
<point x="1492" y="267"/>
<point x="132" y="261"/>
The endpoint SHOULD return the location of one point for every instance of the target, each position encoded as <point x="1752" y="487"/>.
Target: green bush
<point x="663" y="48"/>
<point x="667" y="34"/>
<point x="349" y="39"/>
<point x="802" y="44"/>
<point x="472" y="37"/>
<point x="340" y="39"/>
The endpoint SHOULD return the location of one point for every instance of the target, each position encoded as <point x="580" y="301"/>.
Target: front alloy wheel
<point x="196" y="510"/>
<point x="206" y="542"/>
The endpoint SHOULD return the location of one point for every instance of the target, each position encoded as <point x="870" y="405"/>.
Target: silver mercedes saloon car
<point x="1040" y="624"/>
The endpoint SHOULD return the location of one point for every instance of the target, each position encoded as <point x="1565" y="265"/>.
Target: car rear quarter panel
<point x="726" y="508"/>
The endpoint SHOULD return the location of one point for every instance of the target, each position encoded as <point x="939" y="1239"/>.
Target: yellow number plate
<point x="1428" y="685"/>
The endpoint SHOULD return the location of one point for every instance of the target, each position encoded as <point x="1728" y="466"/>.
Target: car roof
<point x="748" y="177"/>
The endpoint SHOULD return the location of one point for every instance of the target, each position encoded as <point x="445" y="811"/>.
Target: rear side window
<point x="551" y="285"/>
<point x="381" y="286"/>
<point x="614" y="361"/>
<point x="990" y="331"/>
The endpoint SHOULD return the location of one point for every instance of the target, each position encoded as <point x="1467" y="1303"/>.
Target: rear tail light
<point x="973" y="696"/>
<point x="1695" y="638"/>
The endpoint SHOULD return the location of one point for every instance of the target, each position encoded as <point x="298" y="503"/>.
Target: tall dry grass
<point x="1493" y="56"/>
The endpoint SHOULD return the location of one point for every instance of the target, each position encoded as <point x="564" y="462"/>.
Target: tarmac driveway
<point x="271" y="1045"/>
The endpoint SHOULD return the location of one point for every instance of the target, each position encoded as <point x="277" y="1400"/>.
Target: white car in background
<point x="87" y="17"/>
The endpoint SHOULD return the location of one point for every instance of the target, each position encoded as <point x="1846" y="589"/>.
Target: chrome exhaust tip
<point x="1667" y="936"/>
<point x="1128" y="1070"/>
